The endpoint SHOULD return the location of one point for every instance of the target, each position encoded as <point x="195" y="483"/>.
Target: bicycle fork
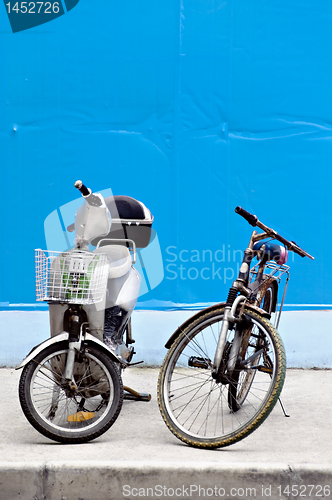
<point x="229" y="318"/>
<point x="74" y="345"/>
<point x="69" y="368"/>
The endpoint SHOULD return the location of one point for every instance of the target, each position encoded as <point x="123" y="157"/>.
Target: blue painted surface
<point x="191" y="107"/>
<point x="21" y="330"/>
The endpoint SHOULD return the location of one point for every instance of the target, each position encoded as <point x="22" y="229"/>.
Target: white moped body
<point x="70" y="387"/>
<point x="93" y="221"/>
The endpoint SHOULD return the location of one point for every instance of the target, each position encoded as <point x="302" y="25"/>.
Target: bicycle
<point x="225" y="366"/>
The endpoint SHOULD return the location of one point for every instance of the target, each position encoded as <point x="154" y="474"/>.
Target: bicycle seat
<point x="119" y="259"/>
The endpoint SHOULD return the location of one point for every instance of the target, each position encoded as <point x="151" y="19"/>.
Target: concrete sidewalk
<point x="139" y="457"/>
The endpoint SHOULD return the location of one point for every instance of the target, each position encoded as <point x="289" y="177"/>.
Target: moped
<point x="71" y="387"/>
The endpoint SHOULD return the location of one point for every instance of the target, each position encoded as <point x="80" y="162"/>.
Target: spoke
<point x="48" y="377"/>
<point x="204" y="343"/>
<point x="202" y="406"/>
<point x="215" y="339"/>
<point x="47" y="386"/>
<point x="191" y="400"/>
<point x="49" y="396"/>
<point x="194" y="386"/>
<point x="209" y="412"/>
<point x="208" y="396"/>
<point x="182" y="377"/>
<point x="194" y="345"/>
<point x="196" y="348"/>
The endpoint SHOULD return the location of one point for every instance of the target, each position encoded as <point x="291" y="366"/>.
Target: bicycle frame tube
<point x="228" y="318"/>
<point x="240" y="284"/>
<point x="249" y="254"/>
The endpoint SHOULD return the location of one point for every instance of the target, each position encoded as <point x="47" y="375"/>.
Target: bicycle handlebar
<point x="253" y="221"/>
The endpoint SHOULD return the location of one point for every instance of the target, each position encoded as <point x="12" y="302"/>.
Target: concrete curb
<point x="108" y="480"/>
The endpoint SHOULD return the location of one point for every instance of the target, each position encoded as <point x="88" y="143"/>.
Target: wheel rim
<point x="196" y="404"/>
<point x="54" y="407"/>
<point x="267" y="301"/>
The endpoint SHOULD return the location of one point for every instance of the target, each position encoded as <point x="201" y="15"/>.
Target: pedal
<point x="197" y="362"/>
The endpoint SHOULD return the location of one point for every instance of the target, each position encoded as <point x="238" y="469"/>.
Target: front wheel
<point x="76" y="412"/>
<point x="210" y="413"/>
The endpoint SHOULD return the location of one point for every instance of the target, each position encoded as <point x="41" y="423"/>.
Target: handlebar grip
<point x="252" y="219"/>
<point x="83" y="189"/>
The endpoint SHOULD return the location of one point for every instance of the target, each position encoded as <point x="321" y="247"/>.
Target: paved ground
<point x="140" y="452"/>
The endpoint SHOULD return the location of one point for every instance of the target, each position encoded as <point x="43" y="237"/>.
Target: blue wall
<point x="193" y="107"/>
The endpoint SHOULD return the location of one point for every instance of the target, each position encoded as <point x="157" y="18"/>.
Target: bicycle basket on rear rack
<point x="71" y="277"/>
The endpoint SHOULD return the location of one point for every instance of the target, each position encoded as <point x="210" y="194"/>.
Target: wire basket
<point x="71" y="277"/>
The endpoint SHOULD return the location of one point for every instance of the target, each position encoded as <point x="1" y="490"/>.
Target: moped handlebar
<point x="91" y="198"/>
<point x="83" y="189"/>
<point x="253" y="221"/>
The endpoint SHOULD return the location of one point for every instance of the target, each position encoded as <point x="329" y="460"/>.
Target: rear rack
<point x="275" y="270"/>
<point x="276" y="273"/>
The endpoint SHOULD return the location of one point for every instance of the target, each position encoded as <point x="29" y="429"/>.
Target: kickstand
<point x="283" y="408"/>
<point x="134" y="395"/>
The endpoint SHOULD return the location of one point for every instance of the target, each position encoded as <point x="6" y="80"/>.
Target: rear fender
<point x="177" y="332"/>
<point x="93" y="340"/>
<point x="275" y="295"/>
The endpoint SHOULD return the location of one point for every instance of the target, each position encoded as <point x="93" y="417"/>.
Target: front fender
<point x="40" y="347"/>
<point x="62" y="337"/>
<point x="196" y="316"/>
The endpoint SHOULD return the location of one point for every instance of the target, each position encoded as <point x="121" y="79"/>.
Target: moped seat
<point x="119" y="259"/>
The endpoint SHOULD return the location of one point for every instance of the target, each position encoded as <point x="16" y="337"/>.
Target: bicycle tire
<point x="182" y="388"/>
<point x="267" y="300"/>
<point x="75" y="418"/>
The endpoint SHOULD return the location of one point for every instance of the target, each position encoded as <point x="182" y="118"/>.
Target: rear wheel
<point x="71" y="414"/>
<point x="253" y="346"/>
<point x="241" y="381"/>
<point x="267" y="302"/>
<point x="206" y="413"/>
